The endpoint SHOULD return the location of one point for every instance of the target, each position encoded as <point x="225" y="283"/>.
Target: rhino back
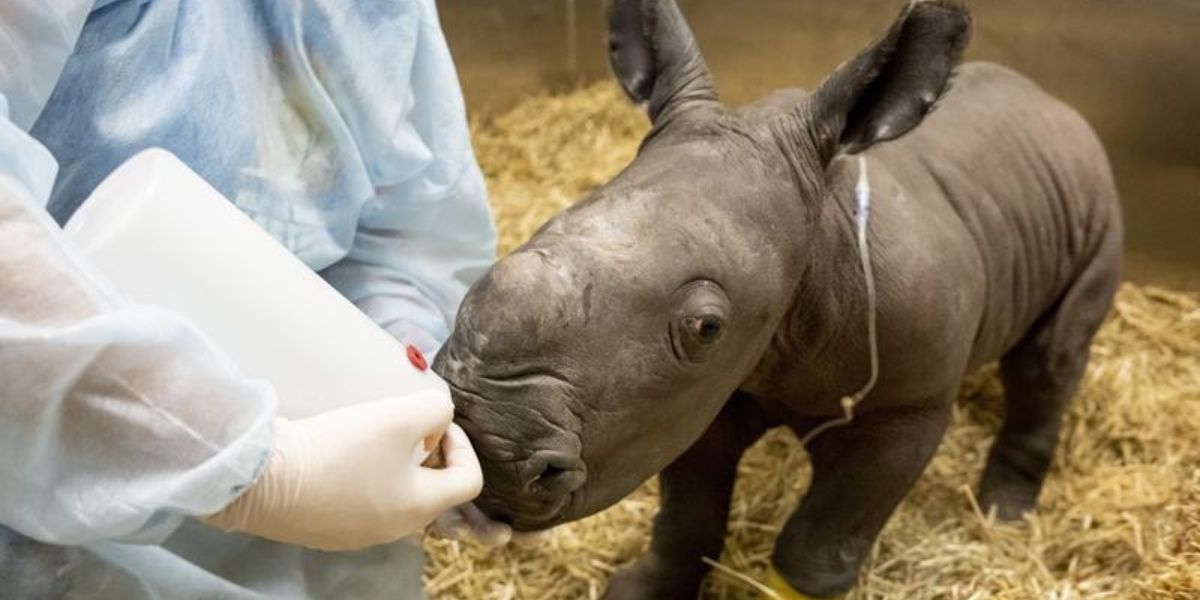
<point x="981" y="218"/>
<point x="1029" y="182"/>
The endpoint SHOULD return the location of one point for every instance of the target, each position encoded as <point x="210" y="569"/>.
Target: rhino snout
<point x="532" y="465"/>
<point x="533" y="492"/>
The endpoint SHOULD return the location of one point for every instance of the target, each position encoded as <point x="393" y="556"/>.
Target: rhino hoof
<point x="645" y="580"/>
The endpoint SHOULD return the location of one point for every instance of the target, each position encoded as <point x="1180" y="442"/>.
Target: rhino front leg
<point x="860" y="473"/>
<point x="695" y="492"/>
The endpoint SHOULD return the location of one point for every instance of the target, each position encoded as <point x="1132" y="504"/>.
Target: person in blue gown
<point x="336" y="125"/>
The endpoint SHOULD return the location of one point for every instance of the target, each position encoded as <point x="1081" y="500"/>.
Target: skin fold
<point x="712" y="291"/>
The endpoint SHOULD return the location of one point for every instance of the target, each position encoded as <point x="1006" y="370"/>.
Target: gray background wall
<point x="1131" y="66"/>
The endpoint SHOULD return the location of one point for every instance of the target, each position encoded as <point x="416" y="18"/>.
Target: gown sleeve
<point x="427" y="234"/>
<point x="116" y="420"/>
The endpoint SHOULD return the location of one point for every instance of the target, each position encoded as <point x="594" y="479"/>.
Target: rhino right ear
<point x="887" y="90"/>
<point x="655" y="58"/>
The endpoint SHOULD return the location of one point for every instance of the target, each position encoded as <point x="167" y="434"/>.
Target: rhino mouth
<point x="526" y="518"/>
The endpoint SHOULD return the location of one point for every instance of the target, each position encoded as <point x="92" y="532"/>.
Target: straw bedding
<point x="1119" y="517"/>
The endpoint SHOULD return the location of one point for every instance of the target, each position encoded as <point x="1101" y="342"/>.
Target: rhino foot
<point x="649" y="579"/>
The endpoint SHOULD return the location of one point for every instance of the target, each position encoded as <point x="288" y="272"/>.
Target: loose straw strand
<point x="742" y="577"/>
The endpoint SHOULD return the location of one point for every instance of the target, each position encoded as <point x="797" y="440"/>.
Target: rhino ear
<point x="655" y="58"/>
<point x="887" y="90"/>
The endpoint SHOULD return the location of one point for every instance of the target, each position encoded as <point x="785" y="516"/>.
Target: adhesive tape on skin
<point x="784" y="590"/>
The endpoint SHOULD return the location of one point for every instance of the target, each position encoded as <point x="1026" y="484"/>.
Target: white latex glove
<point x="350" y="478"/>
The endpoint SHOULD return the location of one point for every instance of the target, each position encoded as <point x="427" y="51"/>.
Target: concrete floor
<point x="1132" y="67"/>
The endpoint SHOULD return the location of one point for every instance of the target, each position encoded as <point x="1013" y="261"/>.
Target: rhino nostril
<point x="556" y="472"/>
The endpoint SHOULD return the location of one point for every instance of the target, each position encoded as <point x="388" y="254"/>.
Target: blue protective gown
<point x="339" y="127"/>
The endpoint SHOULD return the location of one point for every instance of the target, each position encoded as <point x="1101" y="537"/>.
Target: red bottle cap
<point x="417" y="358"/>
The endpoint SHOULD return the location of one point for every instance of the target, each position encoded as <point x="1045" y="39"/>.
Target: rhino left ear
<point x="655" y="58"/>
<point x="887" y="90"/>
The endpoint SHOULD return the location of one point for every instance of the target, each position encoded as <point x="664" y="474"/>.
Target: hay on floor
<point x="1119" y="518"/>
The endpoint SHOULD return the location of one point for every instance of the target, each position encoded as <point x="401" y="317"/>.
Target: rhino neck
<point x="818" y="336"/>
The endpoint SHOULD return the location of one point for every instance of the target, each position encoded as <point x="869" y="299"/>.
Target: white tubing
<point x="862" y="217"/>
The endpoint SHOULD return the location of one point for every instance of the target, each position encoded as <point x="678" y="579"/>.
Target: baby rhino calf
<point x="713" y="290"/>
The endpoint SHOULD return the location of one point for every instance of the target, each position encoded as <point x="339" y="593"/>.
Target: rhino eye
<point x="700" y="320"/>
<point x="707" y="329"/>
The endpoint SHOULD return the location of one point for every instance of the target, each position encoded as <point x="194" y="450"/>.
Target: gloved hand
<point x="351" y="478"/>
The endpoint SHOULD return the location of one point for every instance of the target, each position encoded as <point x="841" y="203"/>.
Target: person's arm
<point x="36" y="37"/>
<point x="428" y="233"/>
<point x="116" y="420"/>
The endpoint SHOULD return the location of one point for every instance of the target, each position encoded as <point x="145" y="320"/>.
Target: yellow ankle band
<point x="784" y="590"/>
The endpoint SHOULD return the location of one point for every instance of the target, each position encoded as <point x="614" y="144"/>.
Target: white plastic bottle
<point x="163" y="236"/>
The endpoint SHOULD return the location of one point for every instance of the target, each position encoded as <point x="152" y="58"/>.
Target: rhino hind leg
<point x="1041" y="375"/>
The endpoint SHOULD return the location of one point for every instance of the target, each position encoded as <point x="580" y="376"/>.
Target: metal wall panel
<point x="1132" y="67"/>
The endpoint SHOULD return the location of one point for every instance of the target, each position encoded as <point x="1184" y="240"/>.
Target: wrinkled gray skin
<point x="713" y="290"/>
